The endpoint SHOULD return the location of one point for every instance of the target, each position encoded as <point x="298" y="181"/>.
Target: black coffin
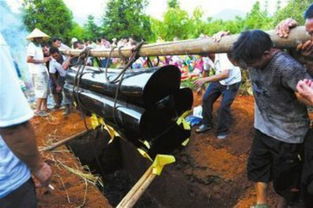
<point x="142" y="87"/>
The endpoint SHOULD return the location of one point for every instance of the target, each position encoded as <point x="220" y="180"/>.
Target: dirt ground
<point x="71" y="190"/>
<point x="217" y="167"/>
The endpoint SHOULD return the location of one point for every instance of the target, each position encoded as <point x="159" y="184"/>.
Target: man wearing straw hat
<point x="36" y="64"/>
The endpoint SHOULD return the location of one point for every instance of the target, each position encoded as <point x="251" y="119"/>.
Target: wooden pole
<point x="146" y="179"/>
<point x="135" y="188"/>
<point x="61" y="142"/>
<point x="198" y="46"/>
<point x="132" y="201"/>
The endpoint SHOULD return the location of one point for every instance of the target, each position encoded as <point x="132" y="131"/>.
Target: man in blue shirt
<point x="19" y="156"/>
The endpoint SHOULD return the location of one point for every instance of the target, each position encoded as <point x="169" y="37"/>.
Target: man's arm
<point x="21" y="141"/>
<point x="30" y="59"/>
<point x="214" y="78"/>
<point x="66" y="63"/>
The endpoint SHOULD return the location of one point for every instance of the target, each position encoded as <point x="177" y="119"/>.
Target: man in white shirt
<point x="59" y="67"/>
<point x="19" y="156"/>
<point x="36" y="64"/>
<point x="57" y="42"/>
<point x="225" y="82"/>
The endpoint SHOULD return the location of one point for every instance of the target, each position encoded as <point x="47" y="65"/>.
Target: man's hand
<point x="305" y="90"/>
<point x="42" y="175"/>
<point x="199" y="82"/>
<point x="283" y="28"/>
<point x="306" y="49"/>
<point x="218" y="36"/>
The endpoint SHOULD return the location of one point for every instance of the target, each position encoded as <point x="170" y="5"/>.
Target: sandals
<point x="41" y="113"/>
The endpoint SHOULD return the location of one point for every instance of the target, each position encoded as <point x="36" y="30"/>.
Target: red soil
<point x="225" y="160"/>
<point x="70" y="189"/>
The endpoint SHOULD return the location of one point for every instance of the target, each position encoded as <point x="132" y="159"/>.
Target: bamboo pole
<point x="198" y="46"/>
<point x="130" y="195"/>
<point x="136" y="196"/>
<point x="146" y="179"/>
<point x="64" y="141"/>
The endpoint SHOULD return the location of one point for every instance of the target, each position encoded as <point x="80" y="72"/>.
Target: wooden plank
<point x="198" y="46"/>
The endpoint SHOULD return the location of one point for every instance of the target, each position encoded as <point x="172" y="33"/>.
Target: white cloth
<point x="221" y="64"/>
<point x="207" y="63"/>
<point x="41" y="85"/>
<point x="55" y="66"/>
<point x="64" y="47"/>
<point x="14" y="109"/>
<point x="37" y="53"/>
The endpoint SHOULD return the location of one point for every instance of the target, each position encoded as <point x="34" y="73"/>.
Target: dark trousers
<point x="277" y="161"/>
<point x="307" y="172"/>
<point x="104" y="62"/>
<point x="23" y="197"/>
<point x="213" y="92"/>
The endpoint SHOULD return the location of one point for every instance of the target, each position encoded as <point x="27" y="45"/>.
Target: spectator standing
<point x="36" y="64"/>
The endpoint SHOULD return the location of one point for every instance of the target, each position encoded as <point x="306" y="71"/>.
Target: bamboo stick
<point x="135" y="188"/>
<point x="198" y="46"/>
<point x="132" y="201"/>
<point x="61" y="142"/>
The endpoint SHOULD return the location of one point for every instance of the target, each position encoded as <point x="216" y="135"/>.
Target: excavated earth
<point x="208" y="172"/>
<point x="70" y="190"/>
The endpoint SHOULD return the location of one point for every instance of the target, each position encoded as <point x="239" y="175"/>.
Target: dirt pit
<point x="70" y="189"/>
<point x="208" y="172"/>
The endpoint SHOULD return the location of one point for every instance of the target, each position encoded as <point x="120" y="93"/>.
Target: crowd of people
<point x="48" y="66"/>
<point x="282" y="149"/>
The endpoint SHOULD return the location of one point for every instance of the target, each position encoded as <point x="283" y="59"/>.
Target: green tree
<point x="78" y="32"/>
<point x="50" y="16"/>
<point x="125" y="18"/>
<point x="294" y="9"/>
<point x="173" y="4"/>
<point x="258" y="18"/>
<point x="176" y="24"/>
<point x="197" y="24"/>
<point x="92" y="30"/>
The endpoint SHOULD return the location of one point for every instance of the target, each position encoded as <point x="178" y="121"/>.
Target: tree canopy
<point x="127" y="18"/>
<point x="50" y="16"/>
<point x="92" y="30"/>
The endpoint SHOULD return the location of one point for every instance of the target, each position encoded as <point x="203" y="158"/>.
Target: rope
<point x="80" y="72"/>
<point x="107" y="65"/>
<point x="120" y="76"/>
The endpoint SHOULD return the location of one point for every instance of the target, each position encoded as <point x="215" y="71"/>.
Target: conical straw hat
<point x="37" y="34"/>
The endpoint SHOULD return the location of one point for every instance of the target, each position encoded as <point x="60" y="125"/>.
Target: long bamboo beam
<point x="198" y="46"/>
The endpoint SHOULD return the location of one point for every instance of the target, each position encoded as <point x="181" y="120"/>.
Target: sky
<point x="156" y="8"/>
<point x="82" y="8"/>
